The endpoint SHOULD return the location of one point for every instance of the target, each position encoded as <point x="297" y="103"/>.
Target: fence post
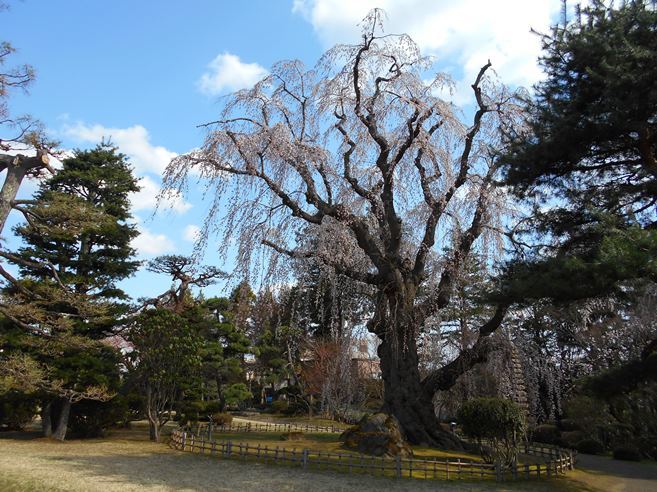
<point x="498" y="471"/>
<point x="184" y="440"/>
<point x="398" y="469"/>
<point x="229" y="445"/>
<point x="304" y="458"/>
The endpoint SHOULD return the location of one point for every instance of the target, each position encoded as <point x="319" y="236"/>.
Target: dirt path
<point x="618" y="476"/>
<point x="131" y="465"/>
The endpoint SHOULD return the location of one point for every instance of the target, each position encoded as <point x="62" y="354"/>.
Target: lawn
<point x="127" y="461"/>
<point x="324" y="442"/>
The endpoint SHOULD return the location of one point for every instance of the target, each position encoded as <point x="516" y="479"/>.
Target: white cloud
<point x="146" y="198"/>
<point x="150" y="244"/>
<point x="227" y="73"/>
<point x="191" y="233"/>
<point x="133" y="141"/>
<point x="465" y="33"/>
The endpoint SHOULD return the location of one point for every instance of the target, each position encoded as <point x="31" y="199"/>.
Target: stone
<point x="377" y="434"/>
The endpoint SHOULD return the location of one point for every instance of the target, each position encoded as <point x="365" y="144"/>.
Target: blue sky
<point x="145" y="73"/>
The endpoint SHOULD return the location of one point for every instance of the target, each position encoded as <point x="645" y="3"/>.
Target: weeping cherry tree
<point x="399" y="190"/>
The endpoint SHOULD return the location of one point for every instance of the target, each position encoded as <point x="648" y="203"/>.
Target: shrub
<point x="569" y="425"/>
<point x="496" y="420"/>
<point x="189" y="412"/>
<point x="546" y="434"/>
<point x="16" y="411"/>
<point x="279" y="406"/>
<point x="616" y="434"/>
<point x="91" y="418"/>
<point x="627" y="453"/>
<point x="571" y="438"/>
<point x="212" y="407"/>
<point x="590" y="446"/>
<point x="222" y="418"/>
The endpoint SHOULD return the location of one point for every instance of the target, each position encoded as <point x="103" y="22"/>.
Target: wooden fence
<point x="208" y="429"/>
<point x="449" y="469"/>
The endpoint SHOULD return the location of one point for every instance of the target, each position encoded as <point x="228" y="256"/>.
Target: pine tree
<point x="76" y="248"/>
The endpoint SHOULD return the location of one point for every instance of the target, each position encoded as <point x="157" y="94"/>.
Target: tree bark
<point x="17" y="168"/>
<point x="62" y="421"/>
<point x="46" y="418"/>
<point x="404" y="396"/>
<point x="153" y="431"/>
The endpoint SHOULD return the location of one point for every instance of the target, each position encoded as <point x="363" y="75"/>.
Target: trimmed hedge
<point x="627" y="453"/>
<point x="546" y="434"/>
<point x="590" y="446"/>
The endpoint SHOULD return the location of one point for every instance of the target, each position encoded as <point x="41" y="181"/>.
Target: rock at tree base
<point x="378" y="435"/>
<point x="292" y="436"/>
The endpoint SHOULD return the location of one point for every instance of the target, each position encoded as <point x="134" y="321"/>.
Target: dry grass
<point x="127" y="461"/>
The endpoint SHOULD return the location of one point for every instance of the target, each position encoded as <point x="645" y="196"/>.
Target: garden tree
<point x="497" y="425"/>
<point x="223" y="350"/>
<point x="330" y="376"/>
<point x="590" y="141"/>
<point x="591" y="134"/>
<point x="20" y="133"/>
<point x="364" y="151"/>
<point x="166" y="361"/>
<point x="243" y="300"/>
<point x="184" y="273"/>
<point x="76" y="248"/>
<point x="58" y="371"/>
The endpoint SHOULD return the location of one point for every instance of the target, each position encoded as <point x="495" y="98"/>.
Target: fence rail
<point x="267" y="427"/>
<point x="454" y="469"/>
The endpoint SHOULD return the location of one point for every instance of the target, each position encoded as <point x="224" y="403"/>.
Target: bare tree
<point x="399" y="189"/>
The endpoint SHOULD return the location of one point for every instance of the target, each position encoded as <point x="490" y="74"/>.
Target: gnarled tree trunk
<point x="407" y="396"/>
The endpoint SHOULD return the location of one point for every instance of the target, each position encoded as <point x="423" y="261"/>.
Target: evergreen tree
<point x="223" y="350"/>
<point x="587" y="163"/>
<point x="587" y="157"/>
<point x="90" y="256"/>
<point x="76" y="248"/>
<point x="592" y="126"/>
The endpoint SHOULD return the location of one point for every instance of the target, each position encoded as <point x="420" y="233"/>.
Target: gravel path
<point x="619" y="476"/>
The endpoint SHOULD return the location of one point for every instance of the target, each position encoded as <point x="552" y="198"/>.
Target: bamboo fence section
<point x="559" y="461"/>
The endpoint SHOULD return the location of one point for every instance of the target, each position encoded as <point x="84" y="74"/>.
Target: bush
<point x="279" y="406"/>
<point x="213" y="407"/>
<point x="616" y="434"/>
<point x="220" y="418"/>
<point x="16" y="411"/>
<point x="496" y="420"/>
<point x="189" y="412"/>
<point x="569" y="425"/>
<point x="546" y="434"/>
<point x="92" y="418"/>
<point x="590" y="446"/>
<point x="571" y="438"/>
<point x="627" y="453"/>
